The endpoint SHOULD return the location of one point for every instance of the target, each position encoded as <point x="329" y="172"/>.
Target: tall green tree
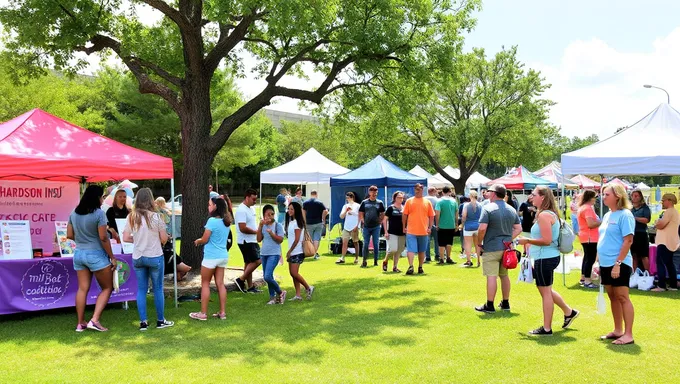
<point x="477" y="109"/>
<point x="348" y="42"/>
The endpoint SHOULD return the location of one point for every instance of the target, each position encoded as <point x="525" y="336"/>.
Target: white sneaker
<point x="310" y="292"/>
<point x="295" y="298"/>
<point x="271" y="302"/>
<point x="462" y="256"/>
<point x="317" y="257"/>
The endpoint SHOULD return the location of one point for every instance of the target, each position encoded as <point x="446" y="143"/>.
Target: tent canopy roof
<point x="378" y="172"/>
<point x="38" y="145"/>
<point x="553" y="172"/>
<point x="310" y="167"/>
<point x="648" y="147"/>
<point x="584" y="182"/>
<point x="475" y="180"/>
<point x="521" y="178"/>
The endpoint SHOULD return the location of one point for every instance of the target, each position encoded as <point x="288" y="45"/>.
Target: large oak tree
<point x="348" y="42"/>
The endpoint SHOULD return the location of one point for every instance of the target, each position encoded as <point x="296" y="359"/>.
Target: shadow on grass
<point x="558" y="337"/>
<point x="630" y="349"/>
<point x="497" y="315"/>
<point x="349" y="313"/>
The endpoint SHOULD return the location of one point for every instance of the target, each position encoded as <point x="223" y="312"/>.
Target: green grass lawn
<point x="362" y="326"/>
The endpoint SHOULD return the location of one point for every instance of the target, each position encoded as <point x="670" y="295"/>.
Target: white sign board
<point x="127" y="247"/>
<point x="16" y="240"/>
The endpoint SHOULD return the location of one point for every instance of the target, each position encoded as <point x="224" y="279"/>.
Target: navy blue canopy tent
<point x="379" y="172"/>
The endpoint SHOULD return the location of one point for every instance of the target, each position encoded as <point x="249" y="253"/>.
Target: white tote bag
<point x="526" y="274"/>
<point x="645" y="282"/>
<point x="634" y="278"/>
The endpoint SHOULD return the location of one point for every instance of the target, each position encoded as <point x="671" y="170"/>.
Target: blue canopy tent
<point x="379" y="172"/>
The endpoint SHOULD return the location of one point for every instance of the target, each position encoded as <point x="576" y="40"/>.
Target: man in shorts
<point x="418" y="219"/>
<point x="350" y="228"/>
<point x="246" y="238"/>
<point x="314" y="212"/>
<point x="446" y="217"/>
<point x="499" y="223"/>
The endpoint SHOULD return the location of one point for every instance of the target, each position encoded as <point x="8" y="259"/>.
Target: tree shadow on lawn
<point x="344" y="313"/>
<point x="558" y="337"/>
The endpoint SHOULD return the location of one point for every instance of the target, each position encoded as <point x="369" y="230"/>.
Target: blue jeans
<point x="433" y="236"/>
<point x="145" y="268"/>
<point x="375" y="233"/>
<point x="269" y="263"/>
<point x="281" y="219"/>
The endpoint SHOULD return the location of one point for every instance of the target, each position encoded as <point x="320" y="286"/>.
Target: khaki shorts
<point x="396" y="244"/>
<point x="354" y="235"/>
<point x="492" y="264"/>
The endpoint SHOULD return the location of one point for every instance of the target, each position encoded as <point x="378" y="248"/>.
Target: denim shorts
<point x="416" y="243"/>
<point x="214" y="263"/>
<point x="296" y="259"/>
<point x="92" y="260"/>
<point x="315" y="231"/>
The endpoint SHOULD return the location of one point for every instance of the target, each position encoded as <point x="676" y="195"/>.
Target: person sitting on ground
<point x="667" y="242"/>
<point x="315" y="212"/>
<point x="546" y="255"/>
<point x="394" y="232"/>
<point x="446" y="215"/>
<point x="498" y="224"/>
<point x="119" y="210"/>
<point x="350" y="228"/>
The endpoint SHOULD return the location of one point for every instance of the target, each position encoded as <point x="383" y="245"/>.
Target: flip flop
<point x="610" y="336"/>
<point x="628" y="343"/>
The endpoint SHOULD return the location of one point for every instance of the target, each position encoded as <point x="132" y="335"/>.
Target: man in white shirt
<point x="350" y="213"/>
<point x="246" y="238"/>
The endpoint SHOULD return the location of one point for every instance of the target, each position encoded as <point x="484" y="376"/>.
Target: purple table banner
<point x="51" y="282"/>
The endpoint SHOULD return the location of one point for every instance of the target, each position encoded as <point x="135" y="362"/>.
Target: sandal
<point x="610" y="336"/>
<point x="221" y="316"/>
<point x="340" y="261"/>
<point x="198" y="316"/>
<point x="618" y="342"/>
<point x="658" y="289"/>
<point x="356" y="261"/>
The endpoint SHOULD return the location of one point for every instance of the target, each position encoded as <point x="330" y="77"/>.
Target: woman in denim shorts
<point x="295" y="231"/>
<point x="87" y="227"/>
<point x="215" y="257"/>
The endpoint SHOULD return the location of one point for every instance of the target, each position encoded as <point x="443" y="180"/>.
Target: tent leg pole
<point x="601" y="200"/>
<point x="174" y="249"/>
<point x="260" y="195"/>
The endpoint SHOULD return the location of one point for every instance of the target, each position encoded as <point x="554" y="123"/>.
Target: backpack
<point x="510" y="255"/>
<point x="566" y="237"/>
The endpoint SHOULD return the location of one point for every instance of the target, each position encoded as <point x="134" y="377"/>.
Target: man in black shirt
<point x="314" y="212"/>
<point x="527" y="212"/>
<point x="371" y="214"/>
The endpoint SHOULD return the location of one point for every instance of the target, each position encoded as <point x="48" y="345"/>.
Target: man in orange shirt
<point x="418" y="219"/>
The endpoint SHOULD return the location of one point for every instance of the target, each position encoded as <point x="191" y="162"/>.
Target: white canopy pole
<point x="564" y="260"/>
<point x="174" y="249"/>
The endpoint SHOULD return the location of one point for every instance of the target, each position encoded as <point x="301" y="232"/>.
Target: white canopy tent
<point x="648" y="147"/>
<point x="643" y="187"/>
<point x="311" y="169"/>
<point x="432" y="181"/>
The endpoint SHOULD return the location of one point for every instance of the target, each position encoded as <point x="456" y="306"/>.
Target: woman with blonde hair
<point x="667" y="241"/>
<point x="146" y="229"/>
<point x="470" y="223"/>
<point x="546" y="254"/>
<point x="616" y="262"/>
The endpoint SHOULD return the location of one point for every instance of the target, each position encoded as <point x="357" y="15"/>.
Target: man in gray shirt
<point x="432" y="196"/>
<point x="499" y="223"/>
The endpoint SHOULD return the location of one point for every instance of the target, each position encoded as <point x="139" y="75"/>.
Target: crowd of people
<point x="613" y="246"/>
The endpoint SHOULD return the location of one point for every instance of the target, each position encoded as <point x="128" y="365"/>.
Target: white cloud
<point x="598" y="88"/>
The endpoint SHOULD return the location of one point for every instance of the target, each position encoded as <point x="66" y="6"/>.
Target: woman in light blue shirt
<point x="616" y="263"/>
<point x="546" y="254"/>
<point x="215" y="257"/>
<point x="270" y="233"/>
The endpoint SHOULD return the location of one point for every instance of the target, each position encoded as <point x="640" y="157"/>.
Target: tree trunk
<point x="196" y="175"/>
<point x="459" y="184"/>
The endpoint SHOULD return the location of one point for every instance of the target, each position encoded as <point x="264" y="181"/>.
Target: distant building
<point x="277" y="116"/>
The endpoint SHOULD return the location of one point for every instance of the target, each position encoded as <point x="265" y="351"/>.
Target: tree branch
<point x="227" y="41"/>
<point x="172" y="13"/>
<point x="146" y="85"/>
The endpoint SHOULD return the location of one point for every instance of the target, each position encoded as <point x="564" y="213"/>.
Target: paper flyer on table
<point x="67" y="247"/>
<point x="16" y="240"/>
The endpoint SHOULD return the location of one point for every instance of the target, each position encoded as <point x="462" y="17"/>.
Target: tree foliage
<point x="477" y="109"/>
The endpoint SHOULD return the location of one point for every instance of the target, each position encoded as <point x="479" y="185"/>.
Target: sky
<point x="596" y="55"/>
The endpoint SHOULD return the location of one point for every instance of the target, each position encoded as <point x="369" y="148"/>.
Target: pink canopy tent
<point x="521" y="178"/>
<point x="585" y="183"/>
<point x="621" y="183"/>
<point x="40" y="146"/>
<point x="37" y="145"/>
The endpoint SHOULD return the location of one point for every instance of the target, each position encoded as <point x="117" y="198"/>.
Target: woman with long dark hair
<point x="588" y="234"/>
<point x="146" y="229"/>
<point x="215" y="257"/>
<point x="87" y="227"/>
<point x="546" y="254"/>
<point x="295" y="231"/>
<point x="394" y="231"/>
